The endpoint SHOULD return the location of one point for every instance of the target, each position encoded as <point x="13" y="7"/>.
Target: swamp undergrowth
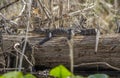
<point x="57" y="72"/>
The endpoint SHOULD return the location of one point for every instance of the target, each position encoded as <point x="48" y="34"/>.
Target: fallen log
<point x="56" y="51"/>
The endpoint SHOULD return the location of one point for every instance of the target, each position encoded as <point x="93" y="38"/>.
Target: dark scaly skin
<point x="65" y="32"/>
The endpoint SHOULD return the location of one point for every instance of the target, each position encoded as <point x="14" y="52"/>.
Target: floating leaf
<point x="98" y="76"/>
<point x="77" y="77"/>
<point x="14" y="74"/>
<point x="2" y="77"/>
<point x="29" y="76"/>
<point x="60" y="72"/>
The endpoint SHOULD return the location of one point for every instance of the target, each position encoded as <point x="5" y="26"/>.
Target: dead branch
<point x="44" y="9"/>
<point x="71" y="50"/>
<point x="97" y="63"/>
<point x="26" y="35"/>
<point x="81" y="11"/>
<point x="18" y="51"/>
<point x="23" y="9"/>
<point x="6" y="6"/>
<point x="10" y="69"/>
<point x="7" y="19"/>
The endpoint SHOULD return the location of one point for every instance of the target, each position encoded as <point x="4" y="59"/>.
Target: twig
<point x="116" y="6"/>
<point x="26" y="35"/>
<point x="1" y="69"/>
<point x="8" y="4"/>
<point x="97" y="40"/>
<point x="60" y="13"/>
<point x="32" y="55"/>
<point x="7" y="19"/>
<point x="17" y="60"/>
<point x="70" y="43"/>
<point x="97" y="63"/>
<point x="22" y="54"/>
<point x="2" y="63"/>
<point x="68" y="5"/>
<point x="23" y="9"/>
<point x="44" y="9"/>
<point x="79" y="11"/>
<point x="97" y="35"/>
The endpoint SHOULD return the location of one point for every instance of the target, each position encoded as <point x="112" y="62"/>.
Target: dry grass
<point x="102" y="13"/>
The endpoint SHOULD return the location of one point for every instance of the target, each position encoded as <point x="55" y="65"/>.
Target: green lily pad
<point x="14" y="74"/>
<point x="60" y="72"/>
<point x="98" y="76"/>
<point x="2" y="77"/>
<point x="29" y="76"/>
<point x="77" y="77"/>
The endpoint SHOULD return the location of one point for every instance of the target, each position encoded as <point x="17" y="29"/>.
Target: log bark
<point x="56" y="51"/>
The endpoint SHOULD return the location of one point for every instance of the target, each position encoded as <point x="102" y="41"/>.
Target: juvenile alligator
<point x="65" y="32"/>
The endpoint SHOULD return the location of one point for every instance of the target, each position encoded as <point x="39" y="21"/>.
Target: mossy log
<point x="56" y="51"/>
